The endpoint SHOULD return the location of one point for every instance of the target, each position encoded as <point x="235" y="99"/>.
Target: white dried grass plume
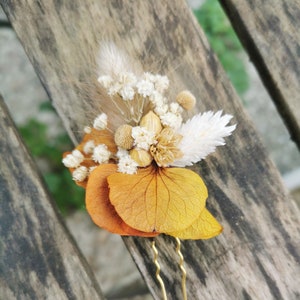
<point x="112" y="61"/>
<point x="201" y="135"/>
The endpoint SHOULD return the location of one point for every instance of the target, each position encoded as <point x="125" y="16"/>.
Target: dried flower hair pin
<point x="131" y="161"/>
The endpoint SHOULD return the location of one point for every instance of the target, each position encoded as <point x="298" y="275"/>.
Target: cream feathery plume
<point x="112" y="61"/>
<point x="201" y="135"/>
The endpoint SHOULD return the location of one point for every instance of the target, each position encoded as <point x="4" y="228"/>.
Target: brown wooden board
<point x="39" y="259"/>
<point x="270" y="33"/>
<point x="257" y="255"/>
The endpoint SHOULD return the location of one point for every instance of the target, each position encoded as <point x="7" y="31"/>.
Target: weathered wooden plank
<point x="39" y="260"/>
<point x="270" y="33"/>
<point x="257" y="256"/>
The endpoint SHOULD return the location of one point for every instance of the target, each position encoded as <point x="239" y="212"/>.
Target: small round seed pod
<point x="142" y="157"/>
<point x="186" y="99"/>
<point x="123" y="137"/>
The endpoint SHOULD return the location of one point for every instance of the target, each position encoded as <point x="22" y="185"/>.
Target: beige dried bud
<point x="186" y="99"/>
<point x="123" y="137"/>
<point x="151" y="122"/>
<point x="166" y="150"/>
<point x="142" y="157"/>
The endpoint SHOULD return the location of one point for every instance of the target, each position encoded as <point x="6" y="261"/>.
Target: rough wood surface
<point x="270" y="33"/>
<point x="257" y="256"/>
<point x="38" y="258"/>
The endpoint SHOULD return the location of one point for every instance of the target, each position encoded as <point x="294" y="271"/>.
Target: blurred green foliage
<point x="47" y="151"/>
<point x="224" y="42"/>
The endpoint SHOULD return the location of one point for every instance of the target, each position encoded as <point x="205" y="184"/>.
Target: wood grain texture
<point x="257" y="255"/>
<point x="270" y="33"/>
<point x="38" y="259"/>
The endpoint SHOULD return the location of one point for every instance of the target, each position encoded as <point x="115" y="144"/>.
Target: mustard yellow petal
<point x="205" y="227"/>
<point x="158" y="199"/>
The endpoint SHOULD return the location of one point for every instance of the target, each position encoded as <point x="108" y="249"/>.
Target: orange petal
<point x="100" y="209"/>
<point x="205" y="227"/>
<point x="158" y="199"/>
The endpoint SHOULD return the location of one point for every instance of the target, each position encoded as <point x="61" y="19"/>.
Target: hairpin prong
<point x="181" y="264"/>
<point x="157" y="274"/>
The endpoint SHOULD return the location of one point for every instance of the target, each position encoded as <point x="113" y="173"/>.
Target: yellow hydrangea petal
<point x="158" y="199"/>
<point x="205" y="227"/>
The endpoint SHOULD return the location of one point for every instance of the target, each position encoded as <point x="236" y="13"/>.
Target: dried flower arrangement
<point x="131" y="161"/>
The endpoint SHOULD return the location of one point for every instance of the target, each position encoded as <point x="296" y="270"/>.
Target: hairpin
<point x="132" y="159"/>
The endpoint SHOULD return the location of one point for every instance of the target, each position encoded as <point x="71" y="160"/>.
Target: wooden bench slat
<point x="270" y="33"/>
<point x="257" y="256"/>
<point x="39" y="259"/>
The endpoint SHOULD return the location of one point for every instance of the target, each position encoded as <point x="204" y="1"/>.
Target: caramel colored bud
<point x="123" y="137"/>
<point x="151" y="122"/>
<point x="141" y="157"/>
<point x="186" y="99"/>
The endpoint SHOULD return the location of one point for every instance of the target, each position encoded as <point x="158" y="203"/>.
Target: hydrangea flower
<point x="132" y="160"/>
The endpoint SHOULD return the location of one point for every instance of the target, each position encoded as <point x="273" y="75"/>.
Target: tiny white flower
<point x="171" y="120"/>
<point x="175" y="108"/>
<point x="149" y="76"/>
<point x="87" y="129"/>
<point x="105" y="80"/>
<point x="73" y="160"/>
<point x="145" y="88"/>
<point x="127" y="165"/>
<point x="127" y="92"/>
<point x="80" y="174"/>
<point x="142" y="137"/>
<point x="70" y="161"/>
<point x="161" y="109"/>
<point x="101" y="154"/>
<point x="88" y="147"/>
<point x="77" y="154"/>
<point x="121" y="153"/>
<point x="161" y="83"/>
<point x="201" y="135"/>
<point x="100" y="122"/>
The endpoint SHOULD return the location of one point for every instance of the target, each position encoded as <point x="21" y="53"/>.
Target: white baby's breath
<point x="87" y="129"/>
<point x="149" y="77"/>
<point x="80" y="174"/>
<point x="101" y="154"/>
<point x="145" y="87"/>
<point x="161" y="83"/>
<point x="121" y="152"/>
<point x="127" y="165"/>
<point x="171" y="120"/>
<point x="175" y="108"/>
<point x="76" y="153"/>
<point x="73" y="160"/>
<point x="88" y="147"/>
<point x="201" y="135"/>
<point x="100" y="122"/>
<point x="127" y="92"/>
<point x="105" y="80"/>
<point x="70" y="161"/>
<point x="142" y="137"/>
